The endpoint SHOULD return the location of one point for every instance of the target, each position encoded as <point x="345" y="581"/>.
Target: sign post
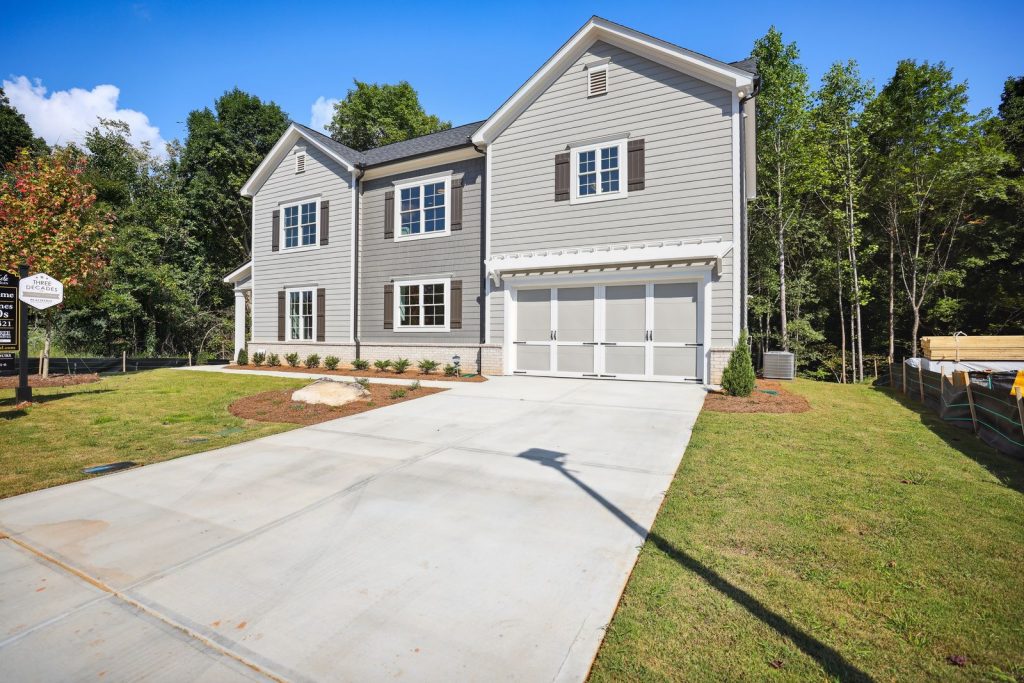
<point x="24" y="391"/>
<point x="9" y="320"/>
<point x="39" y="291"/>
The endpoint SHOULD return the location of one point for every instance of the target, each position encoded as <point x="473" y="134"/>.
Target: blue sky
<point x="164" y="59"/>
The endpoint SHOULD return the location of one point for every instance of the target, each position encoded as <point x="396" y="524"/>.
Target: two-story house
<point x="593" y="226"/>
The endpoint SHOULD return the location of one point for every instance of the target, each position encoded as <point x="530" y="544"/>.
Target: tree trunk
<point x="842" y="315"/>
<point x="48" y="326"/>
<point x="853" y="352"/>
<point x="892" y="294"/>
<point x="917" y="325"/>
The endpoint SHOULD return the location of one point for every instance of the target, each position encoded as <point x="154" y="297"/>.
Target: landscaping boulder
<point x="330" y="392"/>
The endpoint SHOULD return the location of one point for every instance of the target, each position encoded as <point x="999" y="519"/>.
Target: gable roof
<point x="345" y="156"/>
<point x="458" y="136"/>
<point x="729" y="76"/>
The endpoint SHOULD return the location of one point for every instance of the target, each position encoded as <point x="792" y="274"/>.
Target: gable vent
<point x="300" y="162"/>
<point x="597" y="81"/>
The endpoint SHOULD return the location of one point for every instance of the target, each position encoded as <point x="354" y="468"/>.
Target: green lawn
<point x="793" y="540"/>
<point x="145" y="417"/>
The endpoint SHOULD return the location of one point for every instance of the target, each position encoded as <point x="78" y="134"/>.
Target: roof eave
<point x="280" y="148"/>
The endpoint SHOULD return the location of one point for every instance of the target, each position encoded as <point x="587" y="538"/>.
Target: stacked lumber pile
<point x="965" y="348"/>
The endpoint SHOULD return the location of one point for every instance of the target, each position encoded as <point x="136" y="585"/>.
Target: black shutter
<point x="635" y="150"/>
<point x="562" y="177"/>
<point x="275" y="238"/>
<point x="389" y="306"/>
<point x="456" y="219"/>
<point x="325" y="222"/>
<point x="455" y="319"/>
<point x="389" y="214"/>
<point x="321" y="313"/>
<point x="280" y="315"/>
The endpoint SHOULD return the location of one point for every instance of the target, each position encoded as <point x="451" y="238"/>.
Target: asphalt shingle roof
<point x="413" y="147"/>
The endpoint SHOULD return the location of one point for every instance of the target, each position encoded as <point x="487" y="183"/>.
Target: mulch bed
<point x="37" y="381"/>
<point x="411" y="374"/>
<point x="759" y="401"/>
<point x="278" y="406"/>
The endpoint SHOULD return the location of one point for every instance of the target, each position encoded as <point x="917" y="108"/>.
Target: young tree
<point x="47" y="221"/>
<point x="15" y="133"/>
<point x="782" y="153"/>
<point x="933" y="161"/>
<point x="738" y="378"/>
<point x="375" y="114"/>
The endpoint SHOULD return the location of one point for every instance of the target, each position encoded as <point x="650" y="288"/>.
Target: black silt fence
<point x="981" y="402"/>
<point x="83" y="365"/>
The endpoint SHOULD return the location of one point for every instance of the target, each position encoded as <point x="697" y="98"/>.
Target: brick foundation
<point x="719" y="359"/>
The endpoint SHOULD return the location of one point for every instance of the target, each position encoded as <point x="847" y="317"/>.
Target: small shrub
<point x="259" y="358"/>
<point x="401" y="365"/>
<point x="243" y="358"/>
<point x="292" y="359"/>
<point x="382" y="365"/>
<point x="331" y="362"/>
<point x="397" y="393"/>
<point x="451" y="371"/>
<point x="312" y="361"/>
<point x="415" y="385"/>
<point x="738" y="378"/>
<point x="363" y="382"/>
<point x="361" y="364"/>
<point x="273" y="360"/>
<point x="427" y="366"/>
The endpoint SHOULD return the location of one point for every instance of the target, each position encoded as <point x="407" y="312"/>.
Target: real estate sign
<point x="8" y="320"/>
<point x="41" y="291"/>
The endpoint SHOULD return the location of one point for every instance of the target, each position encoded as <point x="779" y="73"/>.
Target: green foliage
<point x="312" y="361"/>
<point x="243" y="357"/>
<point x="273" y="360"/>
<point x="381" y="365"/>
<point x="397" y="393"/>
<point x="450" y="370"/>
<point x="259" y="358"/>
<point x="363" y="383"/>
<point x="401" y="365"/>
<point x="292" y="359"/>
<point x="331" y="362"/>
<point x="360" y="364"/>
<point x="414" y="385"/>
<point x="738" y="378"/>
<point x="15" y="133"/>
<point x="427" y="366"/>
<point x="375" y="114"/>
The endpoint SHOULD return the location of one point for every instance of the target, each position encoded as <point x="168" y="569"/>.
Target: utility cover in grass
<point x="330" y="393"/>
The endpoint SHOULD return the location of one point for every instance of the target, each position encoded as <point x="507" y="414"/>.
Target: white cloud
<point x="65" y="116"/>
<point x="321" y="113"/>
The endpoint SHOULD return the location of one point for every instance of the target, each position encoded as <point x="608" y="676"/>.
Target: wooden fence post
<point x="875" y="361"/>
<point x="190" y="359"/>
<point x="920" y="380"/>
<point x="1020" y="407"/>
<point x="970" y="400"/>
<point x="124" y="361"/>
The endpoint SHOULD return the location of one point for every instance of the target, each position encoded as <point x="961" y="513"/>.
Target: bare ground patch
<point x="411" y="374"/>
<point x="278" y="406"/>
<point x="38" y="381"/>
<point x="768" y="397"/>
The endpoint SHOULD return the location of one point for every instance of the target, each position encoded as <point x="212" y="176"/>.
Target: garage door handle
<point x="610" y="343"/>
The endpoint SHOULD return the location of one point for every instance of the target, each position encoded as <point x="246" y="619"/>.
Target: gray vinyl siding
<point x="687" y="126"/>
<point x="457" y="256"/>
<point x="326" y="266"/>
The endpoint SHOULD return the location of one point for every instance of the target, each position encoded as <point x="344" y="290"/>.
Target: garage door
<point x="629" y="331"/>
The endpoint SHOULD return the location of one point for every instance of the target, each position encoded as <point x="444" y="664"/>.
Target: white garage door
<point x="629" y="331"/>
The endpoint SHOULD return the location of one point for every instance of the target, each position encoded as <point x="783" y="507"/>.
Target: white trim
<point x="281" y="236"/>
<point x="574" y="172"/>
<point x="421" y="183"/>
<point x="487" y="244"/>
<point x="273" y="159"/>
<point x="397" y="301"/>
<point x="672" y="56"/>
<point x="354" y="185"/>
<point x="288" y="314"/>
<point x="238" y="273"/>
<point x="736" y="212"/>
<point x="592" y="68"/>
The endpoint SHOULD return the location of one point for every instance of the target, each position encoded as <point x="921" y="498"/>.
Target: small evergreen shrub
<point x="382" y="365"/>
<point x="415" y="385"/>
<point x="259" y="358"/>
<point x="361" y="364"/>
<point x="312" y="360"/>
<point x="401" y="365"/>
<point x="397" y="393"/>
<point x="243" y="358"/>
<point x="292" y="359"/>
<point x="738" y="378"/>
<point x="273" y="360"/>
<point x="363" y="382"/>
<point x="331" y="362"/>
<point x="451" y="371"/>
<point x="427" y="366"/>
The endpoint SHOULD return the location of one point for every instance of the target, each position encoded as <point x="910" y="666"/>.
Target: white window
<point x="422" y="305"/>
<point x="421" y="208"/>
<point x="300" y="224"/>
<point x="599" y="171"/>
<point x="301" y="314"/>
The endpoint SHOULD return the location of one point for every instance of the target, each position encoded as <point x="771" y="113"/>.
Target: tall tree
<point x="782" y="152"/>
<point x="223" y="148"/>
<point x="933" y="162"/>
<point x="15" y="133"/>
<point x="375" y="114"/>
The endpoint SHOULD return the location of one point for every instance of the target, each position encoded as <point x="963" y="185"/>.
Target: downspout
<point x="356" y="195"/>
<point x="483" y="251"/>
<point x="744" y="228"/>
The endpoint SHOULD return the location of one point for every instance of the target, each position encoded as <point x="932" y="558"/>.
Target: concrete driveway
<point x="484" y="533"/>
